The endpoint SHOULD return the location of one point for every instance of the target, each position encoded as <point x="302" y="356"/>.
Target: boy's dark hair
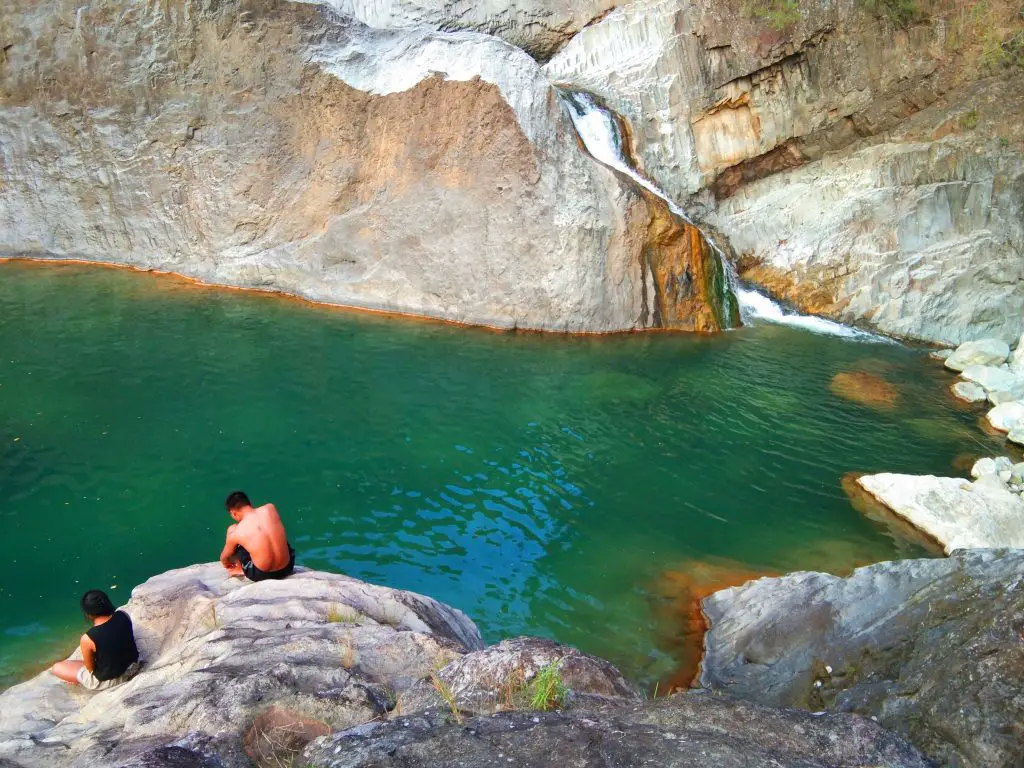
<point x="95" y="603"/>
<point x="237" y="499"/>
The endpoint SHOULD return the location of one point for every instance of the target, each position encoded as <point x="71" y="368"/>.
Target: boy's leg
<point x="67" y="671"/>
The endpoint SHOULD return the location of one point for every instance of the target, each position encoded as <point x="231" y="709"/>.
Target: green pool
<point x="543" y="484"/>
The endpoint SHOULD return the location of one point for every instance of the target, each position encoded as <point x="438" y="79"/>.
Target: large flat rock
<point x="931" y="648"/>
<point x="955" y="512"/>
<point x="219" y="651"/>
<point x="693" y="730"/>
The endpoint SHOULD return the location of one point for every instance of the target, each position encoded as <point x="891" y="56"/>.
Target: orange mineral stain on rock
<point x="680" y="593"/>
<point x="865" y="388"/>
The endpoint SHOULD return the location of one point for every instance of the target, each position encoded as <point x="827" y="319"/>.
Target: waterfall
<point x="599" y="131"/>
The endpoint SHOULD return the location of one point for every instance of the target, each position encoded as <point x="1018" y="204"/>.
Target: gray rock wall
<point x="850" y="161"/>
<point x="929" y="648"/>
<point x="280" y="146"/>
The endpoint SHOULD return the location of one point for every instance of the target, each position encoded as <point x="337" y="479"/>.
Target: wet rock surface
<point x="931" y="648"/>
<point x="694" y="730"/>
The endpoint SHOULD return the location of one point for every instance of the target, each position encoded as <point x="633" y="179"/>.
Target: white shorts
<point x="88" y="680"/>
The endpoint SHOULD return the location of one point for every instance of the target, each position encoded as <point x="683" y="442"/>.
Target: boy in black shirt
<point x="109" y="653"/>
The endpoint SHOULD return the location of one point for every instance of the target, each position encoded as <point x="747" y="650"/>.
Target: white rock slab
<point x="969" y="392"/>
<point x="993" y="379"/>
<point x="981" y="352"/>
<point x="1006" y="416"/>
<point x="957" y="513"/>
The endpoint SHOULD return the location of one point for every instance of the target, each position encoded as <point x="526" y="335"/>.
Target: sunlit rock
<point x="1006" y="416"/>
<point x="983" y="352"/>
<point x="969" y="392"/>
<point x="955" y="512"/>
<point x="219" y="651"/>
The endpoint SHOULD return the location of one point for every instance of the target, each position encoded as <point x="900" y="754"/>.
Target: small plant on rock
<point x="547" y="691"/>
<point x="445" y="692"/>
<point x="338" y="614"/>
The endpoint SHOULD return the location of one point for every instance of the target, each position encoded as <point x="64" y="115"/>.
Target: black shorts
<point x="252" y="573"/>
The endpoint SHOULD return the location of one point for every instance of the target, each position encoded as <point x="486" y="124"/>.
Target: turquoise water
<point x="543" y="484"/>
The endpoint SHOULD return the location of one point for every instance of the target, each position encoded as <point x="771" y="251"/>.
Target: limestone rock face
<point x="281" y="146"/>
<point x="931" y="648"/>
<point x="850" y="161"/>
<point x="955" y="512"/>
<point x="983" y="352"/>
<point x="219" y="652"/>
<point x="499" y="677"/>
<point x="692" y="730"/>
<point x="538" y="27"/>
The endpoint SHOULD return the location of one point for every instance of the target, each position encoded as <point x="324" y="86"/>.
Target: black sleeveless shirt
<point x="115" y="646"/>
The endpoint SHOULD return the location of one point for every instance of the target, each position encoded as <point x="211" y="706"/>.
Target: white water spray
<point x="600" y="134"/>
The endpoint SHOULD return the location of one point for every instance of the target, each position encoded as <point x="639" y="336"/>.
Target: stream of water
<point x="543" y="484"/>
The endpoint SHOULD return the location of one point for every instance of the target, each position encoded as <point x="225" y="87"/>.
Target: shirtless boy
<point x="256" y="546"/>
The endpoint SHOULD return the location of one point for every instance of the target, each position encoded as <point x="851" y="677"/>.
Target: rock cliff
<point x="282" y="146"/>
<point x="325" y="670"/>
<point x="862" y="167"/>
<point x="929" y="648"/>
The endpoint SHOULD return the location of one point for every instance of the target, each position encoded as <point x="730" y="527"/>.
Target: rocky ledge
<point x="929" y="648"/>
<point x="325" y="670"/>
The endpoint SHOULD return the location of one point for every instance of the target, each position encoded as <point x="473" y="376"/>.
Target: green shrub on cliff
<point x="778" y="13"/>
<point x="547" y="691"/>
<point x="899" y="12"/>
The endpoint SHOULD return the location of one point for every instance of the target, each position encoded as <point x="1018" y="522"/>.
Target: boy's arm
<point x="227" y="554"/>
<point x="88" y="652"/>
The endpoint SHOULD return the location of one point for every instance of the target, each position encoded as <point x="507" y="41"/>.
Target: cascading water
<point x="599" y="131"/>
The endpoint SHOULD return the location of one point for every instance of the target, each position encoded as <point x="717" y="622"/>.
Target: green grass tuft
<point x="547" y="691"/>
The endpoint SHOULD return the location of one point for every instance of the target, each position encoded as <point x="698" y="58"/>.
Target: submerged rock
<point x="326" y="650"/>
<point x="955" y="512"/>
<point x="866" y="389"/>
<point x="691" y="730"/>
<point x="981" y="352"/>
<point x="929" y="648"/>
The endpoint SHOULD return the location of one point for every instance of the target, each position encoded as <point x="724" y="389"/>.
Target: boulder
<point x="691" y="730"/>
<point x="1016" y="435"/>
<point x="984" y="352"/>
<point x="1017" y="473"/>
<point x="1006" y="416"/>
<point x="223" y="656"/>
<point x="958" y="514"/>
<point x="503" y="677"/>
<point x="1017" y="358"/>
<point x="281" y="146"/>
<point x="929" y="648"/>
<point x="984" y="466"/>
<point x="969" y="392"/>
<point x="993" y="379"/>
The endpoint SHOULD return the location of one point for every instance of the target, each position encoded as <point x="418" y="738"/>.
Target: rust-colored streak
<point x="680" y="594"/>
